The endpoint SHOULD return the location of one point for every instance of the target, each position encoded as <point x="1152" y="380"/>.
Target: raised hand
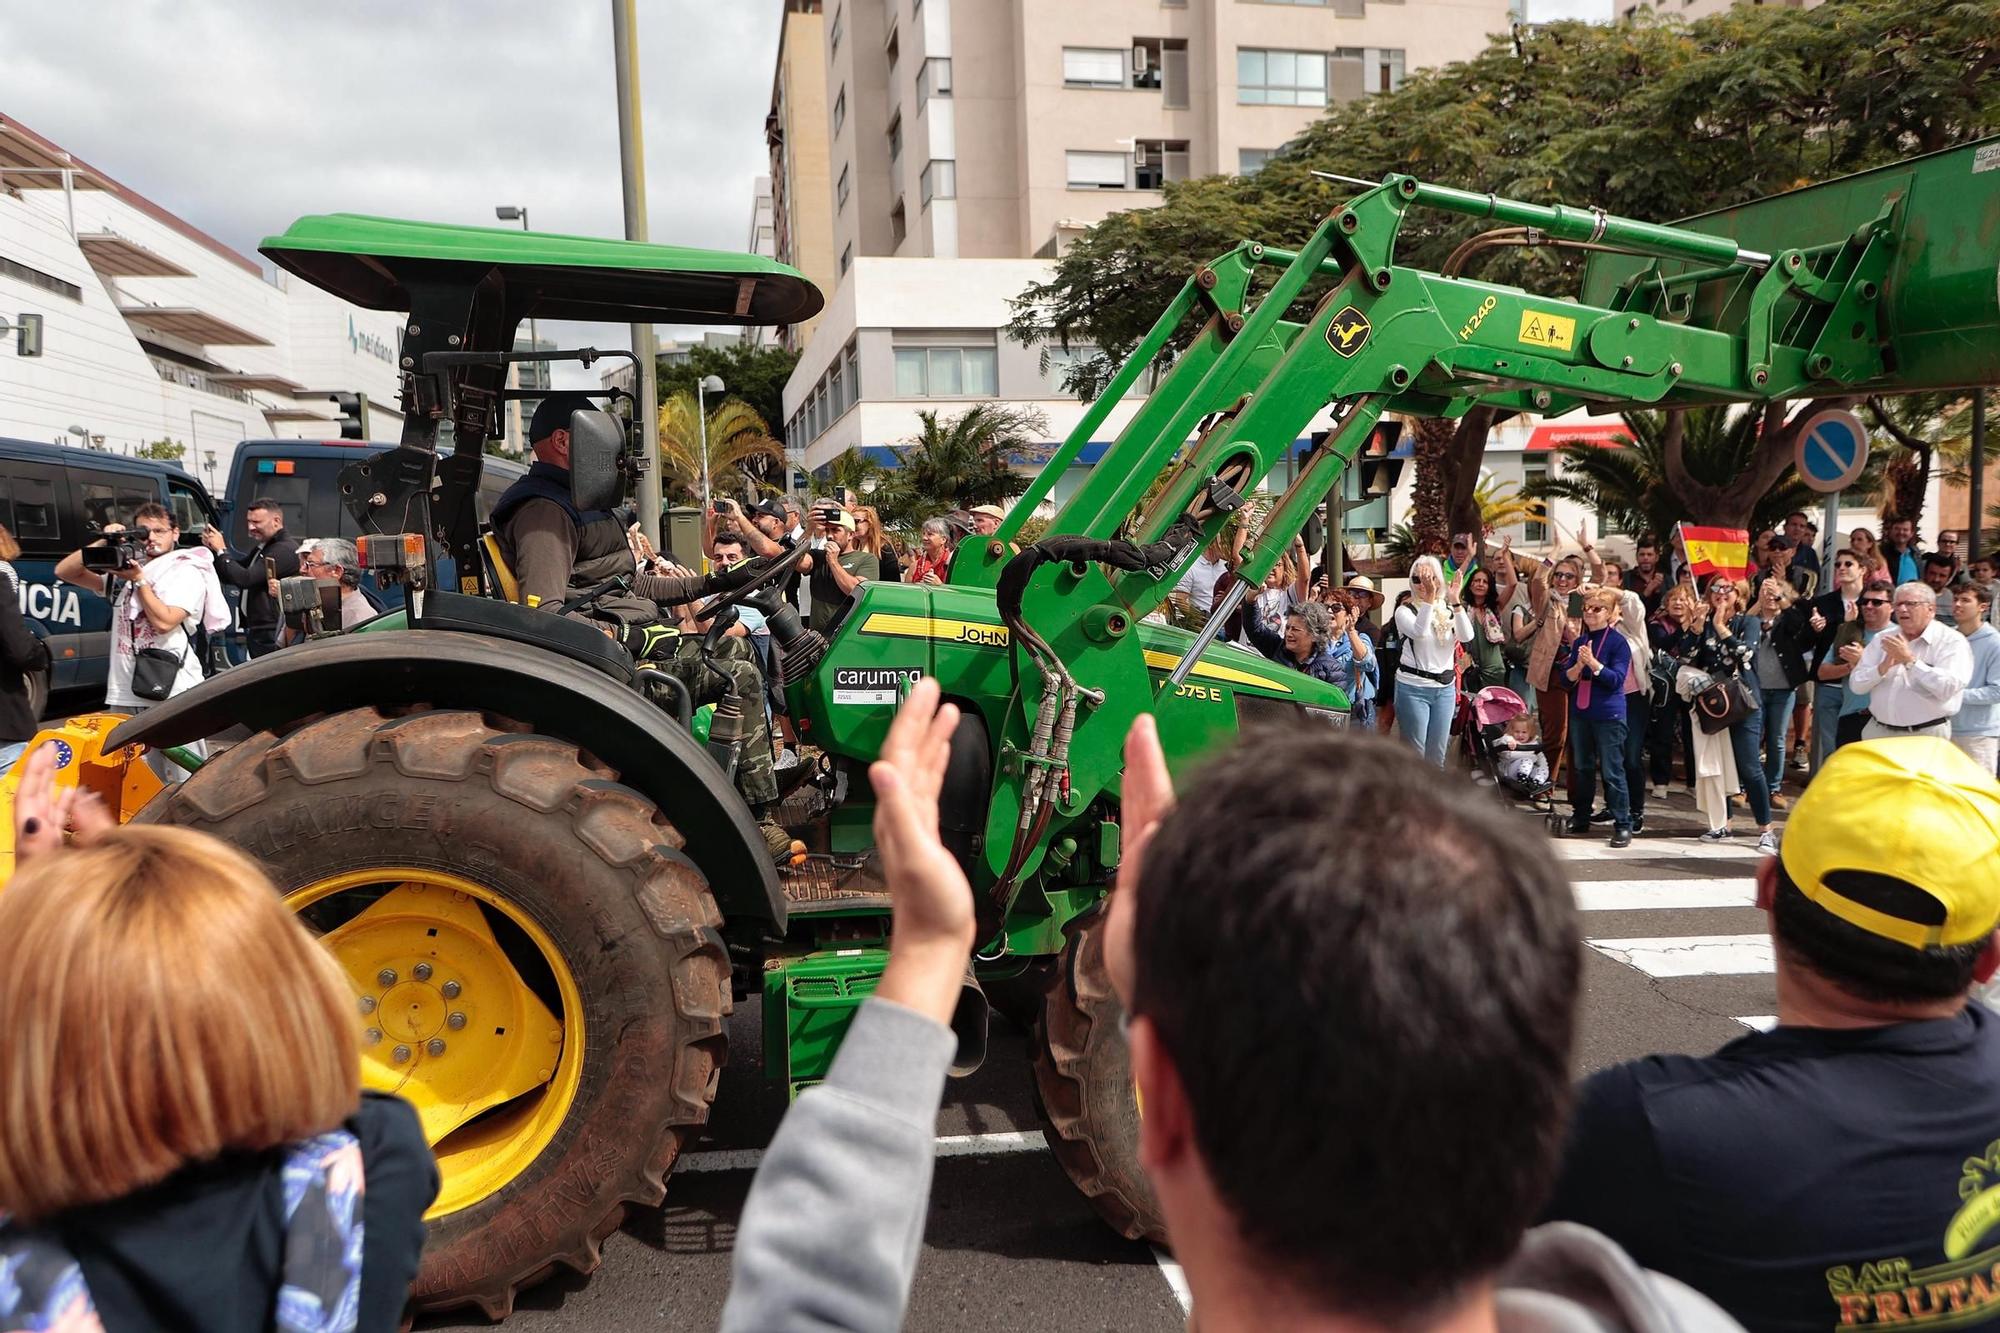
<point x="44" y="813"/>
<point x="1147" y="795"/>
<point x="931" y="917"/>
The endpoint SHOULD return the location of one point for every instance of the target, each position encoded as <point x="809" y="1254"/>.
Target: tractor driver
<point x="558" y="552"/>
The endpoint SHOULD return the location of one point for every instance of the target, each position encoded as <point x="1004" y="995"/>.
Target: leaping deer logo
<point x="1348" y="331"/>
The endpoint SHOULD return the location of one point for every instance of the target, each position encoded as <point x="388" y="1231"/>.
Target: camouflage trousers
<point x="733" y="675"/>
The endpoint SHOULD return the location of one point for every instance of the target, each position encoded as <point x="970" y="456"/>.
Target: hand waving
<point x="931" y="934"/>
<point x="1148" y="794"/>
<point x="44" y="812"/>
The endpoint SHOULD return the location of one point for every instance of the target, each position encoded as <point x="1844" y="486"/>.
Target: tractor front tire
<point x="1083" y="1078"/>
<point x="533" y="832"/>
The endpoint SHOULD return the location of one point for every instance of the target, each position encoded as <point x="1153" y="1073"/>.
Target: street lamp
<point x="709" y="384"/>
<point x="512" y="213"/>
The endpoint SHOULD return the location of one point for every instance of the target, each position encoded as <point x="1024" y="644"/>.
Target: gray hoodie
<point x="835" y="1220"/>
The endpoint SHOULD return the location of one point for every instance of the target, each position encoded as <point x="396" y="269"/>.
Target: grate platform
<point x="834" y="884"/>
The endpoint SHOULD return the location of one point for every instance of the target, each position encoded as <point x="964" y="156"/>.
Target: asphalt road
<point x="1677" y="962"/>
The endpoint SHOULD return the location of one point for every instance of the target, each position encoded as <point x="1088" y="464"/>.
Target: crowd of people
<point x="1833" y="1171"/>
<point x="1641" y="677"/>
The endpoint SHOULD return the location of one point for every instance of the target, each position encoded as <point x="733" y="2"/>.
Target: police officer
<point x="558" y="552"/>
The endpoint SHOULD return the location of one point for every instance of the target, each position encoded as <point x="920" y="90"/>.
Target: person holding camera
<point x="837" y="567"/>
<point x="159" y="594"/>
<point x="273" y="555"/>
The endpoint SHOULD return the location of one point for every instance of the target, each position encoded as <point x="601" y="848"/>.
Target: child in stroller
<point x="1505" y="745"/>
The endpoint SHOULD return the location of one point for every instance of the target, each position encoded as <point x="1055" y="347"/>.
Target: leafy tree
<point x="740" y="448"/>
<point x="853" y="470"/>
<point x="756" y="375"/>
<point x="165" y="449"/>
<point x="1919" y="429"/>
<point x="958" y="462"/>
<point x="1651" y="120"/>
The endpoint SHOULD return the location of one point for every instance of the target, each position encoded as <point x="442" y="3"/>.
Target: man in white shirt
<point x="1207" y="570"/>
<point x="1915" y="673"/>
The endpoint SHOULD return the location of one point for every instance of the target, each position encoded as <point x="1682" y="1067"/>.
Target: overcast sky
<point x="241" y="115"/>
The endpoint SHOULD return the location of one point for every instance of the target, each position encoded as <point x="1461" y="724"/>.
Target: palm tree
<point x="740" y="448"/>
<point x="959" y="462"/>
<point x="855" y="471"/>
<point x="1502" y="504"/>
<point x="1928" y="426"/>
<point x="1627" y="488"/>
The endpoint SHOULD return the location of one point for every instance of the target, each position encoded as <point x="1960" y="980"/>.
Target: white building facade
<point x="153" y="330"/>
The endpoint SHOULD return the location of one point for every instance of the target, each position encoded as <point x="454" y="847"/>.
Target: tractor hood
<point x="371" y="261"/>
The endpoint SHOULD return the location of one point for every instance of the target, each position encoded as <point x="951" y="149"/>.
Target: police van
<point x="56" y="499"/>
<point x="302" y="477"/>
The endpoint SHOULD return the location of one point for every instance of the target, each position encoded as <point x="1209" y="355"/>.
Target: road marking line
<point x="947" y="1145"/>
<point x="1759" y="1022"/>
<point x="1580" y="849"/>
<point x="1644" y="895"/>
<point x="1692" y="955"/>
<point x="1175" y="1279"/>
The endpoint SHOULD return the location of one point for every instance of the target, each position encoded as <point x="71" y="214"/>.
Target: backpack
<point x="42" y="1284"/>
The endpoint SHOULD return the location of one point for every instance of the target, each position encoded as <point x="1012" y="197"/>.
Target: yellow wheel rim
<point x="449" y="1022"/>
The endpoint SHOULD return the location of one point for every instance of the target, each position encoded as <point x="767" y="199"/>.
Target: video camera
<point x="119" y="551"/>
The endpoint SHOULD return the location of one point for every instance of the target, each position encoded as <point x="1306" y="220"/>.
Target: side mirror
<point x="596" y="442"/>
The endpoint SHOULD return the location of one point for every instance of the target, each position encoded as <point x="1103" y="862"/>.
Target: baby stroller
<point x="1483" y="719"/>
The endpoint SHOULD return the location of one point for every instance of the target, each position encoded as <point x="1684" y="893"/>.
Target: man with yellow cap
<point x="1844" y="1168"/>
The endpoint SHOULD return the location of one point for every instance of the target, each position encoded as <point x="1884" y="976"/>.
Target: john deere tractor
<point x="543" y="885"/>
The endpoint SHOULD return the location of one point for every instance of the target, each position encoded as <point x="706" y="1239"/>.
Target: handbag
<point x="155" y="671"/>
<point x="1665" y="667"/>
<point x="1723" y="704"/>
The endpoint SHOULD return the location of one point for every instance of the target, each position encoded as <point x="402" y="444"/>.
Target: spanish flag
<point x="1724" y="551"/>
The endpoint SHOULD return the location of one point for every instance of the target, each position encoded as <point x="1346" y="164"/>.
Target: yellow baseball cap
<point x="1910" y="808"/>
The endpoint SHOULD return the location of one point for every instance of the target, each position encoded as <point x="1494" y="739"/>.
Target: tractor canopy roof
<point x="373" y="262"/>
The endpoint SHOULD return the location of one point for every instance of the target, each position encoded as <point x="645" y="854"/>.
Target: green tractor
<point x="544" y="887"/>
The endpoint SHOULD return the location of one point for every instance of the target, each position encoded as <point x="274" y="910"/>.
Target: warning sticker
<point x="1541" y="329"/>
<point x="1986" y="158"/>
<point x="871" y="685"/>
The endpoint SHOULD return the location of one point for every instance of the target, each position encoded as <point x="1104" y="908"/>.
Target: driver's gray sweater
<point x="835" y="1221"/>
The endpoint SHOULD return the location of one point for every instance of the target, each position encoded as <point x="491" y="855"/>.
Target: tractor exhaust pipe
<point x="968" y="1023"/>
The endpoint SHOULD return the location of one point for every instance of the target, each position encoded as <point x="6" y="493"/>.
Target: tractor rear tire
<point x="1083" y="1078"/>
<point x="593" y="866"/>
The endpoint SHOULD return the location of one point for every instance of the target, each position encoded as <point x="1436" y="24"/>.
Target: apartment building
<point x="795" y="130"/>
<point x="1700" y="9"/>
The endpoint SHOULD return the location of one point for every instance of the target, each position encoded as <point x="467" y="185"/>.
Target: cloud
<point x="241" y="115"/>
<point x="1547" y="11"/>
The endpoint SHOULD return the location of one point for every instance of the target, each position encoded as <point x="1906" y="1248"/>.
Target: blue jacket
<point x="1607" y="683"/>
<point x="1979" y="715"/>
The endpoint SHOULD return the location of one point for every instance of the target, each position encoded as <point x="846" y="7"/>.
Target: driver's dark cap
<point x="553" y="413"/>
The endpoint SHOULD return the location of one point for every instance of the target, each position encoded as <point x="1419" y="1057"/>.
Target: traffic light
<point x="1380" y="472"/>
<point x="353" y="408"/>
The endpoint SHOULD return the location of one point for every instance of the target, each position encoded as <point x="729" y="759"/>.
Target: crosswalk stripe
<point x="1638" y="895"/>
<point x="1692" y="955"/>
<point x="1647" y="849"/>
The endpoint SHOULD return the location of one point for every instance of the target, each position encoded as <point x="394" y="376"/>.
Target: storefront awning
<point x="196" y="326"/>
<point x="45" y="163"/>
<point x="1603" y="434"/>
<point x="116" y="257"/>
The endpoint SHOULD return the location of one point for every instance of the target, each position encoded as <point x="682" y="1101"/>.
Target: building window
<point x="933" y="79"/>
<point x="1355" y="72"/>
<point x="1096" y="171"/>
<point x="34" y="277"/>
<point x="1161" y="62"/>
<point x="939" y="180"/>
<point x="840" y="191"/>
<point x="853" y="372"/>
<point x="1157" y="161"/>
<point x="896" y="137"/>
<point x="893" y="48"/>
<point x="847" y="259"/>
<point x="946" y="372"/>
<point x="1280" y="78"/>
<point x="839" y="110"/>
<point x="1094" y="67"/>
<point x="833" y="33"/>
<point x="899" y="223"/>
<point x="1250" y="161"/>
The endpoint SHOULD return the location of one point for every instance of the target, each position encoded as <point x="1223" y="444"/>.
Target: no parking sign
<point x="1832" y="450"/>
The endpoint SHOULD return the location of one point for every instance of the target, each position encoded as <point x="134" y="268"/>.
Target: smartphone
<point x="270" y="567"/>
<point x="1576" y="606"/>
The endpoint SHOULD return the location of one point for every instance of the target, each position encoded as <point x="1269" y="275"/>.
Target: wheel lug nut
<point x="435" y="1046"/>
<point x="387" y="976"/>
<point x="454" y="1021"/>
<point x="450" y="989"/>
<point x="372" y="1036"/>
<point x="368" y="1004"/>
<point x="422" y="971"/>
<point x="400" y="1054"/>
